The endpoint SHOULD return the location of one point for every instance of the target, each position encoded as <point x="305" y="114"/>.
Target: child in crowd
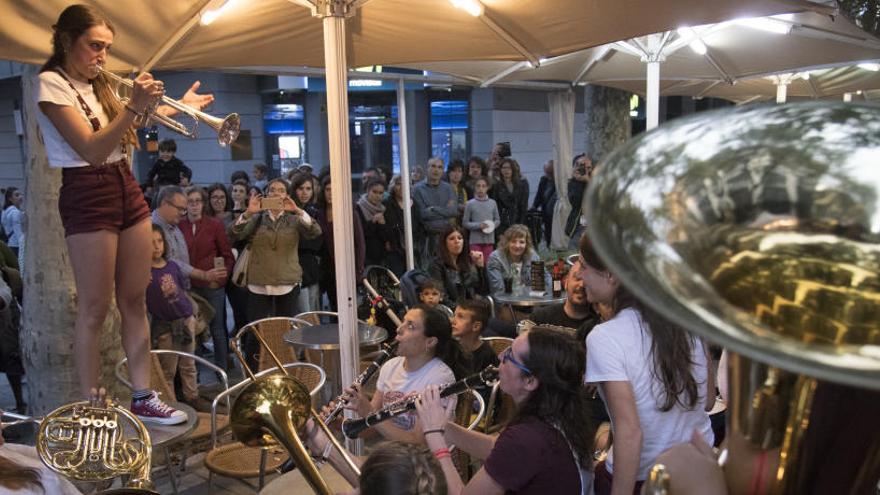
<point x="470" y="319"/>
<point x="172" y="321"/>
<point x="431" y="293"/>
<point x="481" y="218"/>
<point x="168" y="170"/>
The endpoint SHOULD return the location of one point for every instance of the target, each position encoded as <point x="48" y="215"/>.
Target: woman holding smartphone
<point x="272" y="226"/>
<point x="209" y="248"/>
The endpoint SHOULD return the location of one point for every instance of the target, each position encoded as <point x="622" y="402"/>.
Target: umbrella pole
<point x="653" y="95"/>
<point x="340" y="176"/>
<point x="404" y="174"/>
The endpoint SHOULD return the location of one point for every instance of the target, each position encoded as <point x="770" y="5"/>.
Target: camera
<point x="271" y="203"/>
<point x="503" y="149"/>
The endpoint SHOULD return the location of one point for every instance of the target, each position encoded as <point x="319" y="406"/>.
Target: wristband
<point x="438" y="430"/>
<point x="441" y="453"/>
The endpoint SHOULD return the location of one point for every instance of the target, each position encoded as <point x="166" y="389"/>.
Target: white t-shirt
<point x="397" y="384"/>
<point x="26" y="456"/>
<point x="11" y="220"/>
<point x="620" y="350"/>
<point x="54" y="89"/>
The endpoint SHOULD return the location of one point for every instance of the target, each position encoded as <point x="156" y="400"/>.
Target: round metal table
<point x="525" y="300"/>
<point x="324" y="338"/>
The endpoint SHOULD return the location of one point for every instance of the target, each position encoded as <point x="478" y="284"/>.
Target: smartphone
<point x="219" y="263"/>
<point x="271" y="203"/>
<point x="504" y="150"/>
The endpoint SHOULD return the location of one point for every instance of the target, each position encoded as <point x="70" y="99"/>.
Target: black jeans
<point x="262" y="306"/>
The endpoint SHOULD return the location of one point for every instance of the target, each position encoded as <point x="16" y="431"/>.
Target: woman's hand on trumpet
<point x="144" y="91"/>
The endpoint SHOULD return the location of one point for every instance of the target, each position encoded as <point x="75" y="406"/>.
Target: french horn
<point x="758" y="228"/>
<point x="94" y="443"/>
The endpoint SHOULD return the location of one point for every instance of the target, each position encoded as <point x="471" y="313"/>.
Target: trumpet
<point x="351" y="428"/>
<point x="385" y="354"/>
<point x="227" y="128"/>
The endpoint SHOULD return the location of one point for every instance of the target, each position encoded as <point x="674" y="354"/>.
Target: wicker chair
<point x="466" y="417"/>
<point x="236" y="460"/>
<point x="199" y="436"/>
<point x="493" y="420"/>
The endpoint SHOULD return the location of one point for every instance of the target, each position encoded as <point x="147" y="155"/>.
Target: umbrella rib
<point x="509" y="39"/>
<point x="593" y="60"/>
<point x="175" y="38"/>
<point x="507" y="71"/>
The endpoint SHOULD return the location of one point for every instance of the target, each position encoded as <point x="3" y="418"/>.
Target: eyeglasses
<point x="218" y="198"/>
<point x="507" y="356"/>
<point x="181" y="209"/>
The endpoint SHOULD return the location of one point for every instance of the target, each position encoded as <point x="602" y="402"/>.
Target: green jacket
<point x="274" y="258"/>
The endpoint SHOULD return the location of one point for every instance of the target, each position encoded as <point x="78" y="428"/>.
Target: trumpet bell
<point x="758" y="227"/>
<point x="227" y="129"/>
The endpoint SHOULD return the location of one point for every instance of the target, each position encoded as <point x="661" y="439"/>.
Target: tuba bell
<point x="93" y="443"/>
<point x="758" y="227"/>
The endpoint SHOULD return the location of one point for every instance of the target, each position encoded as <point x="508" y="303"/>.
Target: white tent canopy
<point x="353" y="33"/>
<point x="730" y="52"/>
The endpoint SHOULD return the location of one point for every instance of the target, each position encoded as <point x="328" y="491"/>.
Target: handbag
<point x="240" y="269"/>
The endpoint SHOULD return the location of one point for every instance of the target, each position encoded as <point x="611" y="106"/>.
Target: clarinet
<point x="385" y="353"/>
<point x="352" y="428"/>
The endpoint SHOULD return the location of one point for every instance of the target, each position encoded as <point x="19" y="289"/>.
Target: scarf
<point x="369" y="209"/>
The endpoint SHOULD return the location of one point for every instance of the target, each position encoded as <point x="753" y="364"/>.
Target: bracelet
<point x="327" y="448"/>
<point x="441" y="453"/>
<point x="438" y="430"/>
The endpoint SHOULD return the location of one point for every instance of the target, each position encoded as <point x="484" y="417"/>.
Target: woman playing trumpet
<point x="87" y="132"/>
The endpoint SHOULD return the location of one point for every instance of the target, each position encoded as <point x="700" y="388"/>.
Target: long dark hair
<point x="209" y="209"/>
<point x="157" y="228"/>
<point x="7" y="202"/>
<point x="671" y="346"/>
<point x="298" y="180"/>
<point x="463" y="260"/>
<point x="73" y="22"/>
<point x="399" y="468"/>
<point x="557" y="360"/>
<point x="437" y="325"/>
<point x="14" y="476"/>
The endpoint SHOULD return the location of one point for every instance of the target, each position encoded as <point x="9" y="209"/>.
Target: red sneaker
<point x="154" y="410"/>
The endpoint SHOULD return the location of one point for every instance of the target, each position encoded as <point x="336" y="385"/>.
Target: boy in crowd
<point x="261" y="175"/>
<point x="168" y="170"/>
<point x="431" y="293"/>
<point x="470" y="319"/>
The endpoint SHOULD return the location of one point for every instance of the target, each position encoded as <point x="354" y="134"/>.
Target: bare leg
<point x="93" y="257"/>
<point x="132" y="278"/>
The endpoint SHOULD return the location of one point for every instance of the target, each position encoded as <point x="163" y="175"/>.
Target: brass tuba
<point x="91" y="443"/>
<point x="758" y="227"/>
<point x="274" y="409"/>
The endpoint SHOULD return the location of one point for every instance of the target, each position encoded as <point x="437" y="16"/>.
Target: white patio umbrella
<point x="706" y="60"/>
<point x="177" y="35"/>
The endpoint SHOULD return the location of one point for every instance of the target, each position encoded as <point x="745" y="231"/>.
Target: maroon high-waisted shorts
<point x="100" y="198"/>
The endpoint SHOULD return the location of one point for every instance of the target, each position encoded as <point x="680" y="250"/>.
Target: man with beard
<point x="575" y="313"/>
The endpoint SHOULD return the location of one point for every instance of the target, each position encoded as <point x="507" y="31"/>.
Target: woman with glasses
<point x="652" y="375"/>
<point x="219" y="205"/>
<point x="208" y="247"/>
<point x="547" y="446"/>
